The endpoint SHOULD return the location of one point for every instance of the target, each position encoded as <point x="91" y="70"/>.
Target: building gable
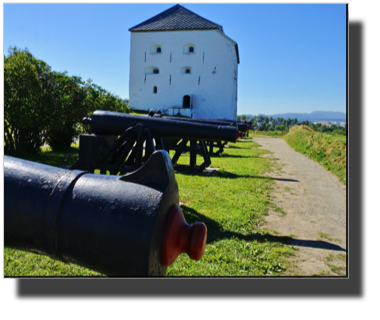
<point x="176" y="18"/>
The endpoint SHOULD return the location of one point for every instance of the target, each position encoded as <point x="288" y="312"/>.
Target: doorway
<point x="186" y="101"/>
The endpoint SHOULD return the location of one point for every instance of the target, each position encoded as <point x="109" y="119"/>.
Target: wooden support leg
<point x="193" y="153"/>
<point x="205" y="154"/>
<point x="179" y="151"/>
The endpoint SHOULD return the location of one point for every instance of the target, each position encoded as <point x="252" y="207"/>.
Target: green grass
<point x="56" y="158"/>
<point x="255" y="133"/>
<point x="232" y="203"/>
<point x="275" y="208"/>
<point x="330" y="257"/>
<point x="328" y="150"/>
<point x="341" y="256"/>
<point x="25" y="264"/>
<point x="339" y="270"/>
<point x="139" y="112"/>
<point x="327" y="236"/>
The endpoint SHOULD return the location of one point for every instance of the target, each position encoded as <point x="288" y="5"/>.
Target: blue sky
<point x="292" y="56"/>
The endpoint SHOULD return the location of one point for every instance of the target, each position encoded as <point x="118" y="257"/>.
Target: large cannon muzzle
<point x="120" y="226"/>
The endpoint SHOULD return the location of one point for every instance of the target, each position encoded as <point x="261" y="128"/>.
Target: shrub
<point x="26" y="107"/>
<point x="41" y="105"/>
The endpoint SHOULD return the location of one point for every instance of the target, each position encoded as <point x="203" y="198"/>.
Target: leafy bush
<point x="41" y="105"/>
<point x="68" y="96"/>
<point x="26" y="107"/>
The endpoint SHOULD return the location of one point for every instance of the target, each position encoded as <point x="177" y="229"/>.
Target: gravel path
<point x="313" y="203"/>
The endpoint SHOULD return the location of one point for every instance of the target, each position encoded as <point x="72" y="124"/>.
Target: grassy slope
<point x="328" y="150"/>
<point x="232" y="203"/>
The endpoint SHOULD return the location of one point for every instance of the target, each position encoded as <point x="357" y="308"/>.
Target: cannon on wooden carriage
<point x="121" y="143"/>
<point x="127" y="225"/>
<point x="241" y="127"/>
<point x="248" y="123"/>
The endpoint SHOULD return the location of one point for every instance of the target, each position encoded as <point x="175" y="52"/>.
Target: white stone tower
<point x="181" y="62"/>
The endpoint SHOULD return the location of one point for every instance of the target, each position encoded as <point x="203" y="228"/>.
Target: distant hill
<point x="315" y="116"/>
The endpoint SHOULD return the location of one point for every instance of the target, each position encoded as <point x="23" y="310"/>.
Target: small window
<point x="156" y="49"/>
<point x="186" y="70"/>
<point x="156" y="71"/>
<point x="154" y="89"/>
<point x="189" y="48"/>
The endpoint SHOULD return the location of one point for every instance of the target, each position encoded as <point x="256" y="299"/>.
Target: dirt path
<point x="313" y="204"/>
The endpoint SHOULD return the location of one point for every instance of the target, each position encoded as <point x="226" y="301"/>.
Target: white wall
<point x="212" y="82"/>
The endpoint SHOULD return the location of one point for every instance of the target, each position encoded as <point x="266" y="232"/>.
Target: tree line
<point x="45" y="106"/>
<point x="265" y="123"/>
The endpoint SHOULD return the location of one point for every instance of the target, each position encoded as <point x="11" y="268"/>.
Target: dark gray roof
<point x="176" y="18"/>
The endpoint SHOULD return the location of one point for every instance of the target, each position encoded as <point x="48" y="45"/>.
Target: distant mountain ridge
<point x="315" y="116"/>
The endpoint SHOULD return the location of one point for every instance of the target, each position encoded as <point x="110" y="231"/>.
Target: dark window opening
<point x="186" y="102"/>
<point x="156" y="71"/>
<point x="154" y="89"/>
<point x="187" y="71"/>
<point x="158" y="50"/>
<point x="191" y="49"/>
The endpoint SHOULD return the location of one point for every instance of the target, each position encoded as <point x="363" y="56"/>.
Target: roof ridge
<point x="199" y="16"/>
<point x="171" y="19"/>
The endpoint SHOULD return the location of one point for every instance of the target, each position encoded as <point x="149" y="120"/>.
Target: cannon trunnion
<point x="120" y="226"/>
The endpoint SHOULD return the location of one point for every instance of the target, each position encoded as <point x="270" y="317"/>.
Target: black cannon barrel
<point x="120" y="226"/>
<point x="248" y="123"/>
<point x="114" y="123"/>
<point x="242" y="127"/>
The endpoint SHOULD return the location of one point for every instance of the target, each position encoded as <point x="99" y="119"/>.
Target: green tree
<point x="323" y="129"/>
<point x="43" y="105"/>
<point x="26" y="107"/>
<point x="68" y="96"/>
<point x="75" y="100"/>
